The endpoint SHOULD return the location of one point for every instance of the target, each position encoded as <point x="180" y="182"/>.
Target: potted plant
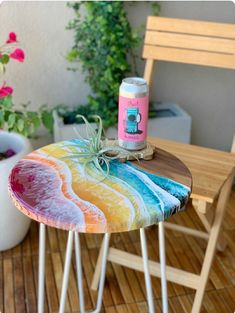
<point x="15" y="126"/>
<point x="14" y="225"/>
<point x="102" y="40"/>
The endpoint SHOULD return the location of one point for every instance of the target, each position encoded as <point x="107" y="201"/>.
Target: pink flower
<point x="11" y="38"/>
<point x="17" y="54"/>
<point x="5" y="91"/>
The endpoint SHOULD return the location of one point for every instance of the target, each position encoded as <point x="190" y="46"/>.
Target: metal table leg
<point x="163" y="266"/>
<point x="117" y="256"/>
<point x="41" y="267"/>
<point x="41" y="272"/>
<point x="79" y="272"/>
<point x="146" y="270"/>
<point x="66" y="271"/>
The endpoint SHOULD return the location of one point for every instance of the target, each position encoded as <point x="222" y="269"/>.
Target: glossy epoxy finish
<point x="56" y="191"/>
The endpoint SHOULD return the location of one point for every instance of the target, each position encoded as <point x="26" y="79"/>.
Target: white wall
<point x="208" y="94"/>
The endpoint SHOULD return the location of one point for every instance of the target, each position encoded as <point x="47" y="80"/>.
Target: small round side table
<point x="57" y="191"/>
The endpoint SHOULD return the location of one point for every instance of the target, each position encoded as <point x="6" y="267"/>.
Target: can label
<point x="133" y="118"/>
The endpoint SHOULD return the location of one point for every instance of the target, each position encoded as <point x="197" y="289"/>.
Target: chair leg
<point x="211" y="247"/>
<point x="41" y="267"/>
<point x="163" y="266"/>
<point x="103" y="272"/>
<point x="146" y="270"/>
<point x="66" y="271"/>
<point x="96" y="276"/>
<point x="222" y="243"/>
<point x="207" y="221"/>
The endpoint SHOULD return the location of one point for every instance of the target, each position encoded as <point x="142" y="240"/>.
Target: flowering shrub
<point x="7" y="52"/>
<point x="19" y="120"/>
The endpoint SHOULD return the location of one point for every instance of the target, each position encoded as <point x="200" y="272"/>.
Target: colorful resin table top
<point x="56" y="191"/>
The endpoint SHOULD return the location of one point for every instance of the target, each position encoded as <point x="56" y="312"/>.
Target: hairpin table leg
<point x="41" y="267"/>
<point x="102" y="275"/>
<point x="79" y="272"/>
<point x="163" y="266"/>
<point x="146" y="270"/>
<point x="66" y="271"/>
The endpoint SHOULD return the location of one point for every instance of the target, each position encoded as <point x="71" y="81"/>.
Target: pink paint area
<point x="133" y="119"/>
<point x="38" y="193"/>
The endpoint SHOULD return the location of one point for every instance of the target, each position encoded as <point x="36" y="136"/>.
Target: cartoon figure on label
<point x="133" y="118"/>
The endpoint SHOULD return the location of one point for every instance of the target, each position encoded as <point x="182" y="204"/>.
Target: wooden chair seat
<point x="210" y="168"/>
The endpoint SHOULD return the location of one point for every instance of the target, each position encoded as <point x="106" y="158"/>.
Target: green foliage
<point x="23" y="121"/>
<point x="69" y="115"/>
<point x="20" y="120"/>
<point x="47" y="120"/>
<point x="156" y="8"/>
<point x="4" y="59"/>
<point x="102" y="40"/>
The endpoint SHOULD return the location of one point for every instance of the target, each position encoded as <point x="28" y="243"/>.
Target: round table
<point x="55" y="190"/>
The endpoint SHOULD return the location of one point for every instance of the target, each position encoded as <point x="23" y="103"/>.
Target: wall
<point x="43" y="77"/>
<point x="208" y="94"/>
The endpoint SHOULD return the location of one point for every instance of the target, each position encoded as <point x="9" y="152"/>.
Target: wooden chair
<point x="200" y="43"/>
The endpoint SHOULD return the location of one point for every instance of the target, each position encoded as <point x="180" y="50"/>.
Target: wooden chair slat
<point x="197" y="152"/>
<point x="212" y="44"/>
<point x="209" y="168"/>
<point x="189" y="56"/>
<point x="184" y="26"/>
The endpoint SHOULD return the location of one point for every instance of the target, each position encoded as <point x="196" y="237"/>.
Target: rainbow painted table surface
<point x="56" y="191"/>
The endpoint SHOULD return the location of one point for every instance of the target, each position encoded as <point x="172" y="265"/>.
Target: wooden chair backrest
<point x="188" y="41"/>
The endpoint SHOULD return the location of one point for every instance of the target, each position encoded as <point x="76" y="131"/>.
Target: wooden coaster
<point x="146" y="154"/>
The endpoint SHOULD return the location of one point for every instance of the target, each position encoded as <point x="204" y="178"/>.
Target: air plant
<point x="99" y="151"/>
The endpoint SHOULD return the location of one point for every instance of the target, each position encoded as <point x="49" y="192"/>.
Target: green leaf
<point x="36" y="122"/>
<point x="20" y="125"/>
<point x="4" y="59"/>
<point x="72" y="55"/>
<point x="7" y="102"/>
<point x="6" y="115"/>
<point x="25" y="131"/>
<point x="47" y="120"/>
<point x="31" y="129"/>
<point x="1" y="118"/>
<point x="11" y="120"/>
<point x="156" y="8"/>
<point x="34" y="118"/>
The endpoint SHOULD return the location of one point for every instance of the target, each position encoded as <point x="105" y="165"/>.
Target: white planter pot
<point x="172" y="123"/>
<point x="13" y="224"/>
<point x="74" y="131"/>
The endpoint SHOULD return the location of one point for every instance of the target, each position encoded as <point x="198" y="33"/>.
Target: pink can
<point x="133" y="113"/>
